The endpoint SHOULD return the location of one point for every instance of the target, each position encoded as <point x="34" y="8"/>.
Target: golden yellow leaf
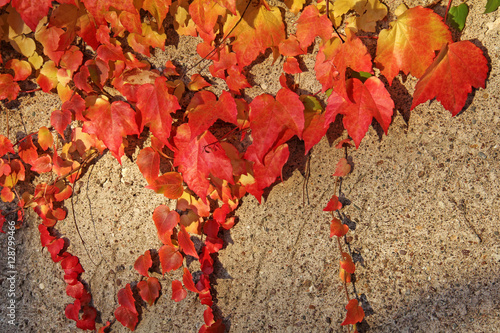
<point x="295" y="6"/>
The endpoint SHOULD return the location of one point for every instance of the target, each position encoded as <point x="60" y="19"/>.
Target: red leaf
<point x="165" y="222"/>
<point x="8" y="87"/>
<point x="450" y="78"/>
<point x="178" y="292"/>
<point x="337" y="228"/>
<point x="88" y="318"/>
<point x="186" y="243"/>
<point x="355" y="313"/>
<point x="149" y="290"/>
<point x="126" y="313"/>
<point x="269" y="117"/>
<point x="334" y="57"/>
<point x="311" y="24"/>
<point x="365" y="102"/>
<point x="5" y="146"/>
<point x="208" y="316"/>
<point x="265" y="174"/>
<point x="75" y="290"/>
<point x="291" y="66"/>
<point x="290" y="47"/>
<point x="170" y="258"/>
<point x="32" y="11"/>
<point x="216" y="327"/>
<point x="110" y="123"/>
<point x="187" y="278"/>
<point x="143" y="263"/>
<point x="27" y="150"/>
<point x="206" y="261"/>
<point x="343" y="168"/>
<point x="333" y="205"/>
<point x="212" y="242"/>
<point x="72" y="310"/>
<point x="155" y="105"/>
<point x="200" y="157"/>
<point x="22" y="69"/>
<point x="314" y="118"/>
<point x="169" y="184"/>
<point x="42" y="164"/>
<point x="148" y="161"/>
<point x="204" y="110"/>
<point x="410" y="43"/>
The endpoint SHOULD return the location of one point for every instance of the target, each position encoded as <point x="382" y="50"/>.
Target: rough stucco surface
<point x="425" y="203"/>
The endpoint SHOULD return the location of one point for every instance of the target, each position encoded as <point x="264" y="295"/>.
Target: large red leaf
<point x="149" y="290"/>
<point x="458" y="67"/>
<point x="311" y="24"/>
<point x="5" y="146"/>
<point x="156" y="105"/>
<point x="110" y="123"/>
<point x="269" y="117"/>
<point x="410" y="44"/>
<point x="198" y="158"/>
<point x="148" y="161"/>
<point x="366" y="101"/>
<point x="204" y="110"/>
<point x="32" y="11"/>
<point x="170" y="258"/>
<point x="334" y="57"/>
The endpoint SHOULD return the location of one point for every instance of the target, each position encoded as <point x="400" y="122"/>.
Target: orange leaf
<point x="45" y="139"/>
<point x="337" y="228"/>
<point x="261" y="28"/>
<point x="197" y="83"/>
<point x="22" y="69"/>
<point x="187" y="278"/>
<point x="291" y="66"/>
<point x="344" y="276"/>
<point x="450" y="78"/>
<point x="8" y="87"/>
<point x="410" y="43"/>
<point x="343" y="168"/>
<point x="170" y="184"/>
<point x="347" y="263"/>
<point x="165" y="221"/>
<point x="148" y="161"/>
<point x="311" y="24"/>
<point x="355" y="313"/>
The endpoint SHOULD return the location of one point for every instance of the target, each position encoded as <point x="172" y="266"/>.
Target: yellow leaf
<point x="16" y="24"/>
<point x="401" y="9"/>
<point x="24" y="45"/>
<point x="370" y="12"/>
<point x="341" y="7"/>
<point x="35" y="60"/>
<point x="183" y="23"/>
<point x="295" y="5"/>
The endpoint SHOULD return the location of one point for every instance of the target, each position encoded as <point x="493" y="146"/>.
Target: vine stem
<point x="333" y="23"/>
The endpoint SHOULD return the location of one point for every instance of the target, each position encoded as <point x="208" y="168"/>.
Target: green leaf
<point x="491" y="6"/>
<point x="457" y="16"/>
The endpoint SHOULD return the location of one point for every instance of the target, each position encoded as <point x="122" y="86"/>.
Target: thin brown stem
<point x="447" y="10"/>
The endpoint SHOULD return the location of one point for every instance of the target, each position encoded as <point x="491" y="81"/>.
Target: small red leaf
<point x="178" y="292"/>
<point x="186" y="243"/>
<point x="347" y="264"/>
<point x="5" y="146"/>
<point x="343" y="168"/>
<point x="333" y="204"/>
<point x="187" y="278"/>
<point x="42" y="164"/>
<point x="149" y="290"/>
<point x="355" y="313"/>
<point x="197" y="83"/>
<point x="337" y="228"/>
<point x="126" y="313"/>
<point x="8" y="87"/>
<point x="143" y="263"/>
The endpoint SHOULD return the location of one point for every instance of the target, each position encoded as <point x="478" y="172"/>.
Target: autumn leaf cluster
<point x="219" y="145"/>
